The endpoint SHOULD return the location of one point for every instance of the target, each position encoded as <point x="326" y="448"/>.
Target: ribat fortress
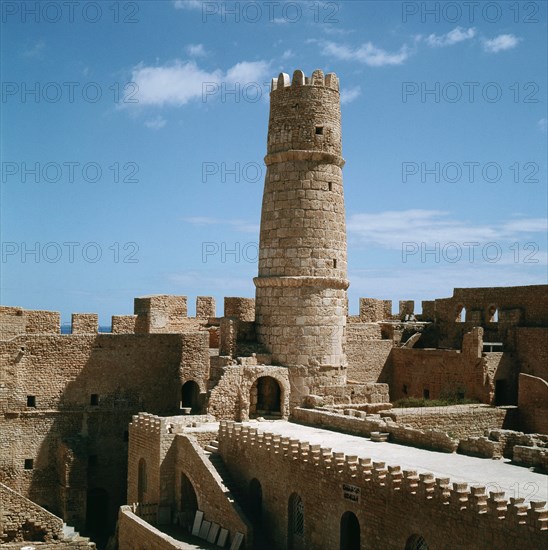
<point x="284" y="423"/>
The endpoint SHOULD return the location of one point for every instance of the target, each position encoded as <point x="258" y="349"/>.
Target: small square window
<point x="31" y="401"/>
<point x="319" y="130"/>
<point x="94" y="400"/>
<point x="29" y="463"/>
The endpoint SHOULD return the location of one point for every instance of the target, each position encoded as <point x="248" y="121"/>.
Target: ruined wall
<point x="375" y="494"/>
<point x="21" y="518"/>
<point x="135" y="533"/>
<point x="232" y="396"/>
<point x="210" y="489"/>
<point x="533" y="404"/>
<point x="458" y="420"/>
<point x="442" y="372"/>
<point x="532" y="351"/>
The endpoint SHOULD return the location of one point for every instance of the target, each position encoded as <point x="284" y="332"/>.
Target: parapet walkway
<point x="494" y="475"/>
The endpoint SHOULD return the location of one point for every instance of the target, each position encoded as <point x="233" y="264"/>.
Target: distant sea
<point x="65" y="329"/>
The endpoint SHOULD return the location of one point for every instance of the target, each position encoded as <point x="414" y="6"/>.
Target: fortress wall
<point x="441" y="372"/>
<point x="43" y="322"/>
<point x="532" y="350"/>
<point x="242" y="309"/>
<point x="64" y="371"/>
<point x="205" y="307"/>
<point x="124" y="324"/>
<point x="145" y="435"/>
<point x="377" y="494"/>
<point x="533" y="404"/>
<point x="85" y="323"/>
<point x="366" y="352"/>
<point x="458" y="420"/>
<point x="135" y="533"/>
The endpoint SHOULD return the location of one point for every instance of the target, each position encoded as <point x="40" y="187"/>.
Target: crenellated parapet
<point x="317" y="78"/>
<point x="456" y="499"/>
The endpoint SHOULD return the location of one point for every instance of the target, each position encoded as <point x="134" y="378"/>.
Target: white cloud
<point x="500" y="43"/>
<point x="188" y="4"/>
<point x="180" y="82"/>
<point x="543" y="125"/>
<point x="390" y="228"/>
<point x="156" y="123"/>
<point x="35" y="50"/>
<point x="196" y="50"/>
<point x="367" y="53"/>
<point x="288" y="54"/>
<point x="455" y="36"/>
<point x="350" y="94"/>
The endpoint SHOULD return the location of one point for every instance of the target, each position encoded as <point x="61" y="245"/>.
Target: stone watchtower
<point x="301" y="302"/>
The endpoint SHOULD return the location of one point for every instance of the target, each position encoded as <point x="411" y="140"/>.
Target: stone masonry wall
<point x="533" y="404"/>
<point x="439" y="511"/>
<point x="367" y="353"/>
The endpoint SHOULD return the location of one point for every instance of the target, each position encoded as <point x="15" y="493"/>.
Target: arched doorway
<point x="416" y="542"/>
<point x="189" y="504"/>
<point x="265" y="397"/>
<point x="142" y="481"/>
<point x="190" y="397"/>
<point x="295" y="522"/>
<point x="350" y="532"/>
<point x="97" y="516"/>
<point x="255" y="500"/>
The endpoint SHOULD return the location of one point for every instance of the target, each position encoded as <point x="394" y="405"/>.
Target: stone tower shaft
<point x="301" y="301"/>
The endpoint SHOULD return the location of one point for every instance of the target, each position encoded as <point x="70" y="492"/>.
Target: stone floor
<point x="494" y="475"/>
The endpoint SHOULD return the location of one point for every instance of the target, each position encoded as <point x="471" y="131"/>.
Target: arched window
<point x="295" y="522"/>
<point x="416" y="542"/>
<point x="350" y="532"/>
<point x="142" y="480"/>
<point x="461" y="314"/>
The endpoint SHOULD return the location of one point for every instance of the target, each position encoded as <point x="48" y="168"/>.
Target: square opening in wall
<point x="425" y="394"/>
<point x="29" y="463"/>
<point x="31" y="401"/>
<point x="94" y="400"/>
<point x="319" y="130"/>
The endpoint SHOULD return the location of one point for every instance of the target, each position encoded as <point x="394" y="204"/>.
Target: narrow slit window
<point x="334" y="263"/>
<point x="31" y="401"/>
<point x="426" y="394"/>
<point x="330" y="186"/>
<point x="319" y="130"/>
<point x="94" y="400"/>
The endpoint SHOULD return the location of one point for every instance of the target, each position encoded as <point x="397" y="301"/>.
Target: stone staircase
<point x="239" y="494"/>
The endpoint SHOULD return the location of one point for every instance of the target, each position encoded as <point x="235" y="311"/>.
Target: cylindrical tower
<point x="301" y="302"/>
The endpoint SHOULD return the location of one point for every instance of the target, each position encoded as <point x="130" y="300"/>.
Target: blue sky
<point x="133" y="135"/>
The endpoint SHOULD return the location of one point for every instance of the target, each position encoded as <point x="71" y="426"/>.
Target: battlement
<point x="363" y="472"/>
<point x="317" y="78"/>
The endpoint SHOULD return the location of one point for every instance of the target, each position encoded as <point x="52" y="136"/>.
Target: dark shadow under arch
<point x="188" y="503"/>
<point x="350" y="532"/>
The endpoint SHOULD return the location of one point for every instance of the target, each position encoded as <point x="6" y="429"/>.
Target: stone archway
<point x="188" y="503"/>
<point x="190" y="397"/>
<point x="265" y="398"/>
<point x="350" y="532"/>
<point x="416" y="542"/>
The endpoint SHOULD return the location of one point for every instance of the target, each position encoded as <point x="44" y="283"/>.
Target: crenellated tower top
<point x="305" y="118"/>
